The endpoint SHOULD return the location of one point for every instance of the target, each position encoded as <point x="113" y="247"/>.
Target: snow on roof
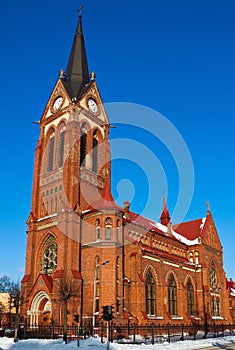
<point x="178" y="236"/>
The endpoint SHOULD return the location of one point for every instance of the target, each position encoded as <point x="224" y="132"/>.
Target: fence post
<point x="134" y="330"/>
<point x="222" y="328"/>
<point x="128" y="327"/>
<point x="152" y="333"/>
<point x="194" y="331"/>
<point x="182" y="332"/>
<point x="169" y="332"/>
<point x="111" y="332"/>
<point x="214" y="329"/>
<point x="102" y="332"/>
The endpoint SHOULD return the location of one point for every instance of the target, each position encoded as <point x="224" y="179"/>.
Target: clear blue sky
<point x="176" y="57"/>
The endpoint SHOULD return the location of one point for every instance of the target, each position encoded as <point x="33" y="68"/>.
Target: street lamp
<point x="94" y="295"/>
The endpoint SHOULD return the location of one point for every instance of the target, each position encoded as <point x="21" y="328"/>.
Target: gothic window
<point x="150" y="294"/>
<point x="83" y="146"/>
<point x="49" y="259"/>
<point x="190" y="298"/>
<point x="172" y="295"/>
<point x="51" y="152"/>
<point x="61" y="145"/>
<point x="213" y="277"/>
<point x="108" y="227"/>
<point x="97" y="223"/>
<point x="95" y="153"/>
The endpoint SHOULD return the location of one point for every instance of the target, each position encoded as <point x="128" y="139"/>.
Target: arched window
<point x="108" y="227"/>
<point x="83" y="145"/>
<point x="51" y="152"/>
<point x="150" y="294"/>
<point x="97" y="224"/>
<point x="190" y="298"/>
<point x="95" y="152"/>
<point x="172" y="295"/>
<point x="49" y="258"/>
<point x="61" y="145"/>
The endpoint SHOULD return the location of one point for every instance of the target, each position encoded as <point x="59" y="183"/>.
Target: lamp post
<point x="94" y="294"/>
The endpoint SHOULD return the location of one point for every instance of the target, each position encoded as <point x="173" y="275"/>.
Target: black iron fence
<point x="127" y="333"/>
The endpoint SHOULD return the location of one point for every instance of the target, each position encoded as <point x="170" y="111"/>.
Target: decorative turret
<point x="77" y="73"/>
<point x="165" y="218"/>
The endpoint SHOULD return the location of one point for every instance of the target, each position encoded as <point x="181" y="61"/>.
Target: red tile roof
<point x="190" y="229"/>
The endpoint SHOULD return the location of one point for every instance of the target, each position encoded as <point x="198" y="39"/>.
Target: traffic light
<point x="107" y="312"/>
<point x="76" y="318"/>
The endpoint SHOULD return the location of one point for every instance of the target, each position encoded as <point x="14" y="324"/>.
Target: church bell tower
<point x="71" y="171"/>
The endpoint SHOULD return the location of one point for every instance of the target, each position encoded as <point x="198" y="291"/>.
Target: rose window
<point x="50" y="258"/>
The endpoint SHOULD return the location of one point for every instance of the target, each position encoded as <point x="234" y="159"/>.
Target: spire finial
<point x="80" y="11"/>
<point x="208" y="206"/>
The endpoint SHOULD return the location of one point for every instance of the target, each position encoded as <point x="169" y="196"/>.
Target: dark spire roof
<point x="77" y="74"/>
<point x="165" y="216"/>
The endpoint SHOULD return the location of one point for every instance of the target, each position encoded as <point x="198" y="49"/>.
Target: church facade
<point x="84" y="251"/>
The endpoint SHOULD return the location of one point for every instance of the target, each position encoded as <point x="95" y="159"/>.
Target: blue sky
<point x="175" y="57"/>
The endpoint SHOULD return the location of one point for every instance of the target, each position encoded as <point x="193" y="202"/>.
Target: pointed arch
<point x="40" y="303"/>
<point x="150" y="293"/>
<point x="48" y="253"/>
<point x="153" y="271"/>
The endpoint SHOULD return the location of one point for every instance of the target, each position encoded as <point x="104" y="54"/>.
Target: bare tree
<point x="68" y="288"/>
<point x="5" y="284"/>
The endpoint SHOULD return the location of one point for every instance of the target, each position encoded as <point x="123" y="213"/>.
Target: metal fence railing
<point x="128" y="333"/>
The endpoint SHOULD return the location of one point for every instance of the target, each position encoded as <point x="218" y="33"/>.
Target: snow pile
<point x="40" y="344"/>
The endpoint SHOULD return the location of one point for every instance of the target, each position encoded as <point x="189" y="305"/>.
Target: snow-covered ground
<point x="36" y="344"/>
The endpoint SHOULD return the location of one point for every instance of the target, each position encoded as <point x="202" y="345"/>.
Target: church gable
<point x="57" y="102"/>
<point x="210" y="235"/>
<point x="91" y="102"/>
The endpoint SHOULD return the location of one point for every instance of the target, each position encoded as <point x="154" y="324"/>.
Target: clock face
<point x="92" y="105"/>
<point x="57" y="103"/>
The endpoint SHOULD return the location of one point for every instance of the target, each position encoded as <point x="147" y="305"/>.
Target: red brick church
<point x="81" y="244"/>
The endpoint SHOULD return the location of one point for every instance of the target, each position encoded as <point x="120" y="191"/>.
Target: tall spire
<point x="165" y="216"/>
<point x="77" y="73"/>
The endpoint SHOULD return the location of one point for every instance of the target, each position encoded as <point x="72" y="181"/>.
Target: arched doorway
<point x="41" y="310"/>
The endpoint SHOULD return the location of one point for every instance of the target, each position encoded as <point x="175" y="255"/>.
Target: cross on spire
<point x="80" y="11"/>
